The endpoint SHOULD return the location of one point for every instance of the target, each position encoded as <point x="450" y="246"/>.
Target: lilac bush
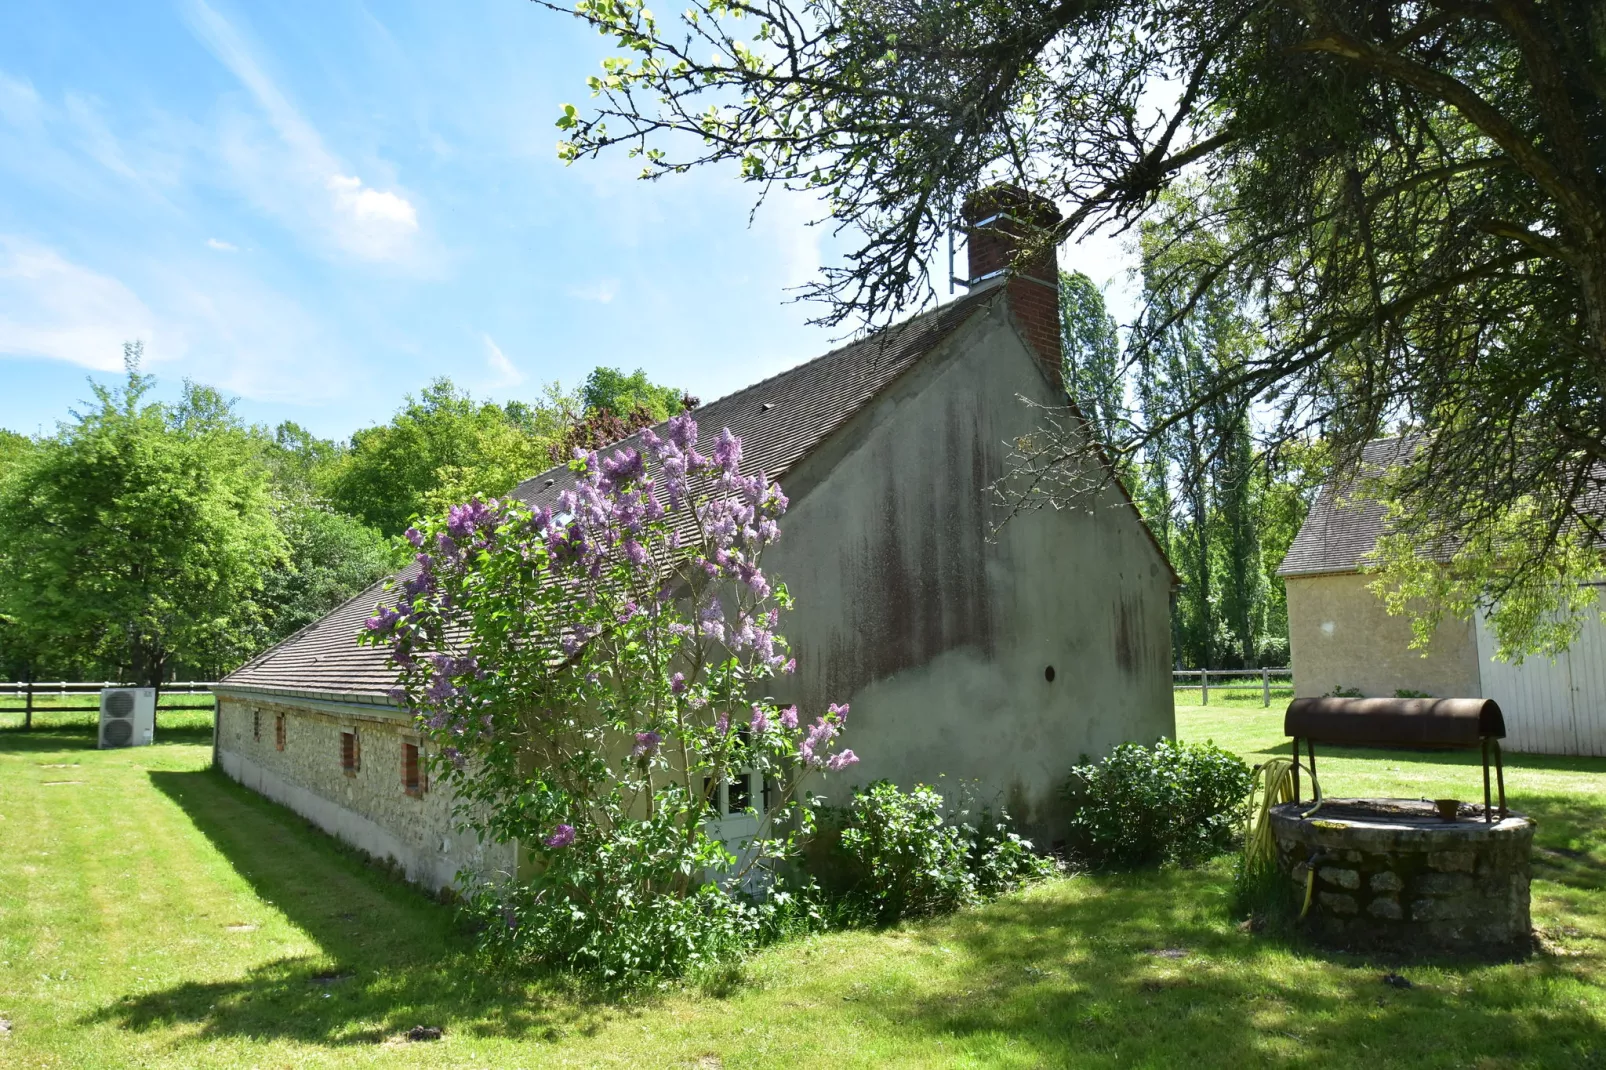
<point x="589" y="675"/>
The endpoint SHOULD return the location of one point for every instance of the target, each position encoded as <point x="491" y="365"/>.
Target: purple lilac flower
<point x="840" y="713"/>
<point x="415" y="537"/>
<point x="761" y="722"/>
<point x="677" y="683"/>
<point x="623" y="468"/>
<point x="464" y="520"/>
<point x="440" y="690"/>
<point x="561" y="836"/>
<point x="646" y="745"/>
<point x="778" y="501"/>
<point x="789" y="718"/>
<point x="722" y="723"/>
<point x="712" y="619"/>
<point x="683" y="431"/>
<point x="382" y="621"/>
<point x="840" y="761"/>
<point x="814" y="745"/>
<point x="727" y="450"/>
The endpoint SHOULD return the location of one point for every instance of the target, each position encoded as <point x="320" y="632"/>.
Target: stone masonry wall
<point x="368" y="807"/>
<point x="1408" y="886"/>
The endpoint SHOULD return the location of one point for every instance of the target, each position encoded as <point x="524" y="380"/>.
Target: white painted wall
<point x="1551" y="706"/>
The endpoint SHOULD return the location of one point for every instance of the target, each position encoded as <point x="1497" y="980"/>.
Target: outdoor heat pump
<point x="127" y="716"/>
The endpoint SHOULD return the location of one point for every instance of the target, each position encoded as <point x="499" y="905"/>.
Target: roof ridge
<point x="883" y="333"/>
<point x="880" y="337"/>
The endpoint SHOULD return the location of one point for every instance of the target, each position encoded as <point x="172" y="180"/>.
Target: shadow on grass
<point x="1131" y="969"/>
<point x="392" y="957"/>
<point x="1141" y="969"/>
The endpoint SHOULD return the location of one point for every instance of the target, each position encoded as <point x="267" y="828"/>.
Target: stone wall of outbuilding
<point x="368" y="807"/>
<point x="1340" y="635"/>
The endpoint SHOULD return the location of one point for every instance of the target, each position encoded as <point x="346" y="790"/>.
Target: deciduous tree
<point x="134" y="540"/>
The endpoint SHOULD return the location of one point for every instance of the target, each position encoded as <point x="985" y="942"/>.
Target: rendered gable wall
<point x="940" y="635"/>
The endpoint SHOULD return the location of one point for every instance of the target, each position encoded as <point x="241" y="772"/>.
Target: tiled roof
<point x="779" y="420"/>
<point x="1342" y="528"/>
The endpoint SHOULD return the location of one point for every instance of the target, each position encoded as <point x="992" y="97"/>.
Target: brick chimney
<point x="997" y="219"/>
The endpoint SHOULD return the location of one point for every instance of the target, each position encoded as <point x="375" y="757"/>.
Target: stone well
<point x="1391" y="874"/>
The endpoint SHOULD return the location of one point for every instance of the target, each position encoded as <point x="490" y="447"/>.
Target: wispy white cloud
<point x="294" y="174"/>
<point x="53" y="308"/>
<point x="602" y="292"/>
<point x="19" y="102"/>
<point x="214" y="324"/>
<point x="506" y="373"/>
<point x="370" y="205"/>
<point x="249" y="339"/>
<point x="222" y="246"/>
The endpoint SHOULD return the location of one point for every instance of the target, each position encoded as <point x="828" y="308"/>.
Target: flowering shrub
<point x="900" y="854"/>
<point x="590" y="675"/>
<point x="1173" y="802"/>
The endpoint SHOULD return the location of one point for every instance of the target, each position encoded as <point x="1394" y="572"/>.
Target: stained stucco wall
<point x="368" y="809"/>
<point x="941" y="638"/>
<point x="1340" y="635"/>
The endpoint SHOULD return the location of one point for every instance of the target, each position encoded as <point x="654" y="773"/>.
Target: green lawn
<point x="153" y="914"/>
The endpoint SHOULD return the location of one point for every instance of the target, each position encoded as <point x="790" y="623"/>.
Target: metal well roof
<point x="779" y="420"/>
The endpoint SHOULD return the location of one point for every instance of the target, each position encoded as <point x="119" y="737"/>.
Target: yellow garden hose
<point x="1274" y="785"/>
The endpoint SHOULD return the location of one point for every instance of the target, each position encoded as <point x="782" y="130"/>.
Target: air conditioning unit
<point x="127" y="716"/>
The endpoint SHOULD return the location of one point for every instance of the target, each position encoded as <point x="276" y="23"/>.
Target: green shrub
<point x="892" y="854"/>
<point x="1143" y="806"/>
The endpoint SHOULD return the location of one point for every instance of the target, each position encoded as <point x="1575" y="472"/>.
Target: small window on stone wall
<point x="350" y="756"/>
<point x="412" y="781"/>
<point x="278" y="731"/>
<point x="256" y="725"/>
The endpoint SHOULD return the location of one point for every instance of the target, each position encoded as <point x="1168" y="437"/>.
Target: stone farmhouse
<point x="990" y="659"/>
<point x="1341" y="636"/>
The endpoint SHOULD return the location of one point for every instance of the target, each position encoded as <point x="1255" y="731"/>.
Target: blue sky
<point x="319" y="207"/>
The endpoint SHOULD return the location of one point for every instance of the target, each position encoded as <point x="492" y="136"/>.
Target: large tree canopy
<point x="1409" y="196"/>
<point x="134" y="541"/>
<point x="444" y="446"/>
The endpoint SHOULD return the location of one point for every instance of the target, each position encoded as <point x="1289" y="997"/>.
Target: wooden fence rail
<point x="1261" y="676"/>
<point x="30" y="690"/>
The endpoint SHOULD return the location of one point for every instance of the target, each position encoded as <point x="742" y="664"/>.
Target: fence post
<point x="1265" y="687"/>
<point x="1204" y="687"/>
<point x="27" y="714"/>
